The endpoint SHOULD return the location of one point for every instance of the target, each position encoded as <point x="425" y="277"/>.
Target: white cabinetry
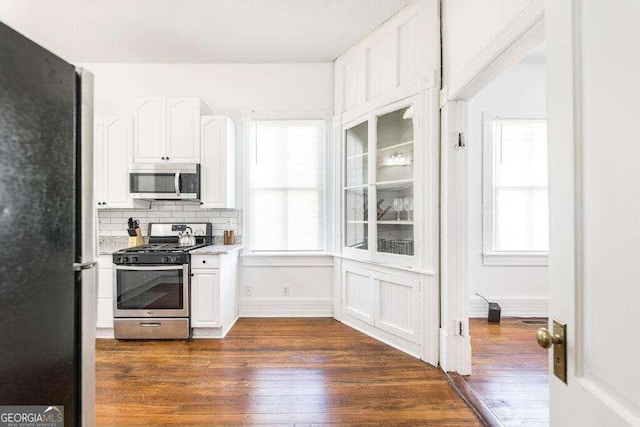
<point x="387" y="119"/>
<point x="113" y="153"/>
<point x="105" y="297"/>
<point x="168" y="130"/>
<point x="384" y="303"/>
<point x="218" y="162"/>
<point x="395" y="61"/>
<point x="214" y="294"/>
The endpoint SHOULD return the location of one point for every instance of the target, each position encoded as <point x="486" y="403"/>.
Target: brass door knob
<point x="545" y="339"/>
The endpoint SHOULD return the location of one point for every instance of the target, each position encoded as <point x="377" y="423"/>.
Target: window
<point x="287" y="181"/>
<point x="515" y="191"/>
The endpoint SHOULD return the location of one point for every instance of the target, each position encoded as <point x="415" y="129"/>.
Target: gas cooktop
<point x="160" y="247"/>
<point x="163" y="245"/>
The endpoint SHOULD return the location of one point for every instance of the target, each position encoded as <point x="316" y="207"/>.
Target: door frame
<point x="521" y="36"/>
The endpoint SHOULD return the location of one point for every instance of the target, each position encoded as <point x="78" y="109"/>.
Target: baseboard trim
<point x="212" y="333"/>
<point x="106" y="333"/>
<point x="511" y="306"/>
<point x="286" y="307"/>
<point x="398" y="343"/>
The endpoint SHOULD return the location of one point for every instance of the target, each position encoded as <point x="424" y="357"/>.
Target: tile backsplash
<point x="113" y="222"/>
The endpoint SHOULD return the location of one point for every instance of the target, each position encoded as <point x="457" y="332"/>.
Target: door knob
<point x="545" y="339"/>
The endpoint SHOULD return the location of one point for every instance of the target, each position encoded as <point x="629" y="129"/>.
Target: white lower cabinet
<point x="205" y="298"/>
<point x="214" y="294"/>
<point x="383" y="303"/>
<point x="105" y="296"/>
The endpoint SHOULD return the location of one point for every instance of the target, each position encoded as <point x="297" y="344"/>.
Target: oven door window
<point x="152" y="183"/>
<point x="150" y="289"/>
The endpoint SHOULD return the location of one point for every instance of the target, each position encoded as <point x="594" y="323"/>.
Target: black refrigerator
<point x="47" y="231"/>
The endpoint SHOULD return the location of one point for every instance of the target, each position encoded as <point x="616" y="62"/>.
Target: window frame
<point x="490" y="256"/>
<point x="293" y="257"/>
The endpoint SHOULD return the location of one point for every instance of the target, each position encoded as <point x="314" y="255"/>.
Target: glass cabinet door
<point x="356" y="187"/>
<point x="394" y="182"/>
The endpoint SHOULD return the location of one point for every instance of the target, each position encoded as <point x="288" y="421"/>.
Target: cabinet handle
<point x="192" y="274"/>
<point x="162" y="158"/>
<point x="204" y="261"/>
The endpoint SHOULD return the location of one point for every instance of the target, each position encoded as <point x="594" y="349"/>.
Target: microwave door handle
<point x="176" y="183"/>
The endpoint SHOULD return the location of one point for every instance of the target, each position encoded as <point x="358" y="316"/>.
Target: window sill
<point x="515" y="259"/>
<point x="288" y="259"/>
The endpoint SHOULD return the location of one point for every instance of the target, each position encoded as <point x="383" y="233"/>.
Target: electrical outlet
<point x="285" y="291"/>
<point x="229" y="222"/>
<point x="249" y="291"/>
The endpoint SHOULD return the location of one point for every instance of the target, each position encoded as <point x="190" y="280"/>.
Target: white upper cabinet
<point x="168" y="130"/>
<point x="113" y="153"/>
<point x="150" y="140"/>
<point x="398" y="60"/>
<point x="218" y="162"/>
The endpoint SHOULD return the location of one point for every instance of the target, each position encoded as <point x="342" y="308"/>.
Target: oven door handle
<point x="176" y="183"/>
<point x="153" y="268"/>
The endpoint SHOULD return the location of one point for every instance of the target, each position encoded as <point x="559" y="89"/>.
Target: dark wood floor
<point x="272" y="371"/>
<point x="510" y="371"/>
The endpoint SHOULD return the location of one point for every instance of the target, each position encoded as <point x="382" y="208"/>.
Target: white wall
<point x="469" y="26"/>
<point x="231" y="89"/>
<point x="521" y="290"/>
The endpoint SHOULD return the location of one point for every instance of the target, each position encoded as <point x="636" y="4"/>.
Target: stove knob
<point x="134" y="259"/>
<point x="165" y="259"/>
<point x="117" y="259"/>
<point x="125" y="259"/>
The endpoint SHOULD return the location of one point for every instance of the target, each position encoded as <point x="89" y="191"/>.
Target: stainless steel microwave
<point x="166" y="181"/>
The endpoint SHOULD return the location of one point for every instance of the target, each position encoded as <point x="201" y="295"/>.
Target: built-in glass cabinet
<point x="378" y="185"/>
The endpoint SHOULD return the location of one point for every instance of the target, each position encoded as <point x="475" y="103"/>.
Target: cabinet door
<point x="105" y="292"/>
<point x="150" y="130"/>
<point x="214" y="163"/>
<point x="99" y="163"/>
<point x="358" y="293"/>
<point x="117" y="154"/>
<point x="397" y="305"/>
<point x="205" y="299"/>
<point x="183" y="130"/>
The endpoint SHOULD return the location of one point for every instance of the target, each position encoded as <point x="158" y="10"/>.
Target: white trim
<point x="394" y="341"/>
<point x="298" y="259"/>
<point x="516" y="259"/>
<point x="519" y="37"/>
<point x="212" y="333"/>
<point x="520" y="306"/>
<point x="104" y="333"/>
<point x="286" y="307"/>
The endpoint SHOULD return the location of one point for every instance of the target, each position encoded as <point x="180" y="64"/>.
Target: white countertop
<point x="216" y="249"/>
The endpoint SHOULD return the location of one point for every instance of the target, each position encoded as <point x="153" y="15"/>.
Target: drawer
<point x="205" y="261"/>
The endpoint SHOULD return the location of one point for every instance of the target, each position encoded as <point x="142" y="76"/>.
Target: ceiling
<point x="197" y="31"/>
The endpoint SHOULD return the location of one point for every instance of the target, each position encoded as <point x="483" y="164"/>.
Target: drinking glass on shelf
<point x="397" y="206"/>
<point x="408" y="206"/>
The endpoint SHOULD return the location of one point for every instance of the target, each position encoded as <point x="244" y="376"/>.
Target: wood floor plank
<point x="510" y="371"/>
<point x="273" y="372"/>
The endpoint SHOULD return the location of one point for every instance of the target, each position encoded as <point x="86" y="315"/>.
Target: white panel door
<point x="381" y="65"/>
<point x="183" y="130"/>
<point x="593" y="68"/>
<point x="117" y="152"/>
<point x="150" y="130"/>
<point x="398" y="305"/>
<point x="358" y="293"/>
<point x="214" y="162"/>
<point x="205" y="298"/>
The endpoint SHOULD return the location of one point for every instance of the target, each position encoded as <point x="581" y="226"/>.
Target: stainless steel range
<point x="152" y="282"/>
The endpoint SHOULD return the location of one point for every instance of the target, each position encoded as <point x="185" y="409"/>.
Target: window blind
<point x="287" y="186"/>
<point x="520" y="214"/>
